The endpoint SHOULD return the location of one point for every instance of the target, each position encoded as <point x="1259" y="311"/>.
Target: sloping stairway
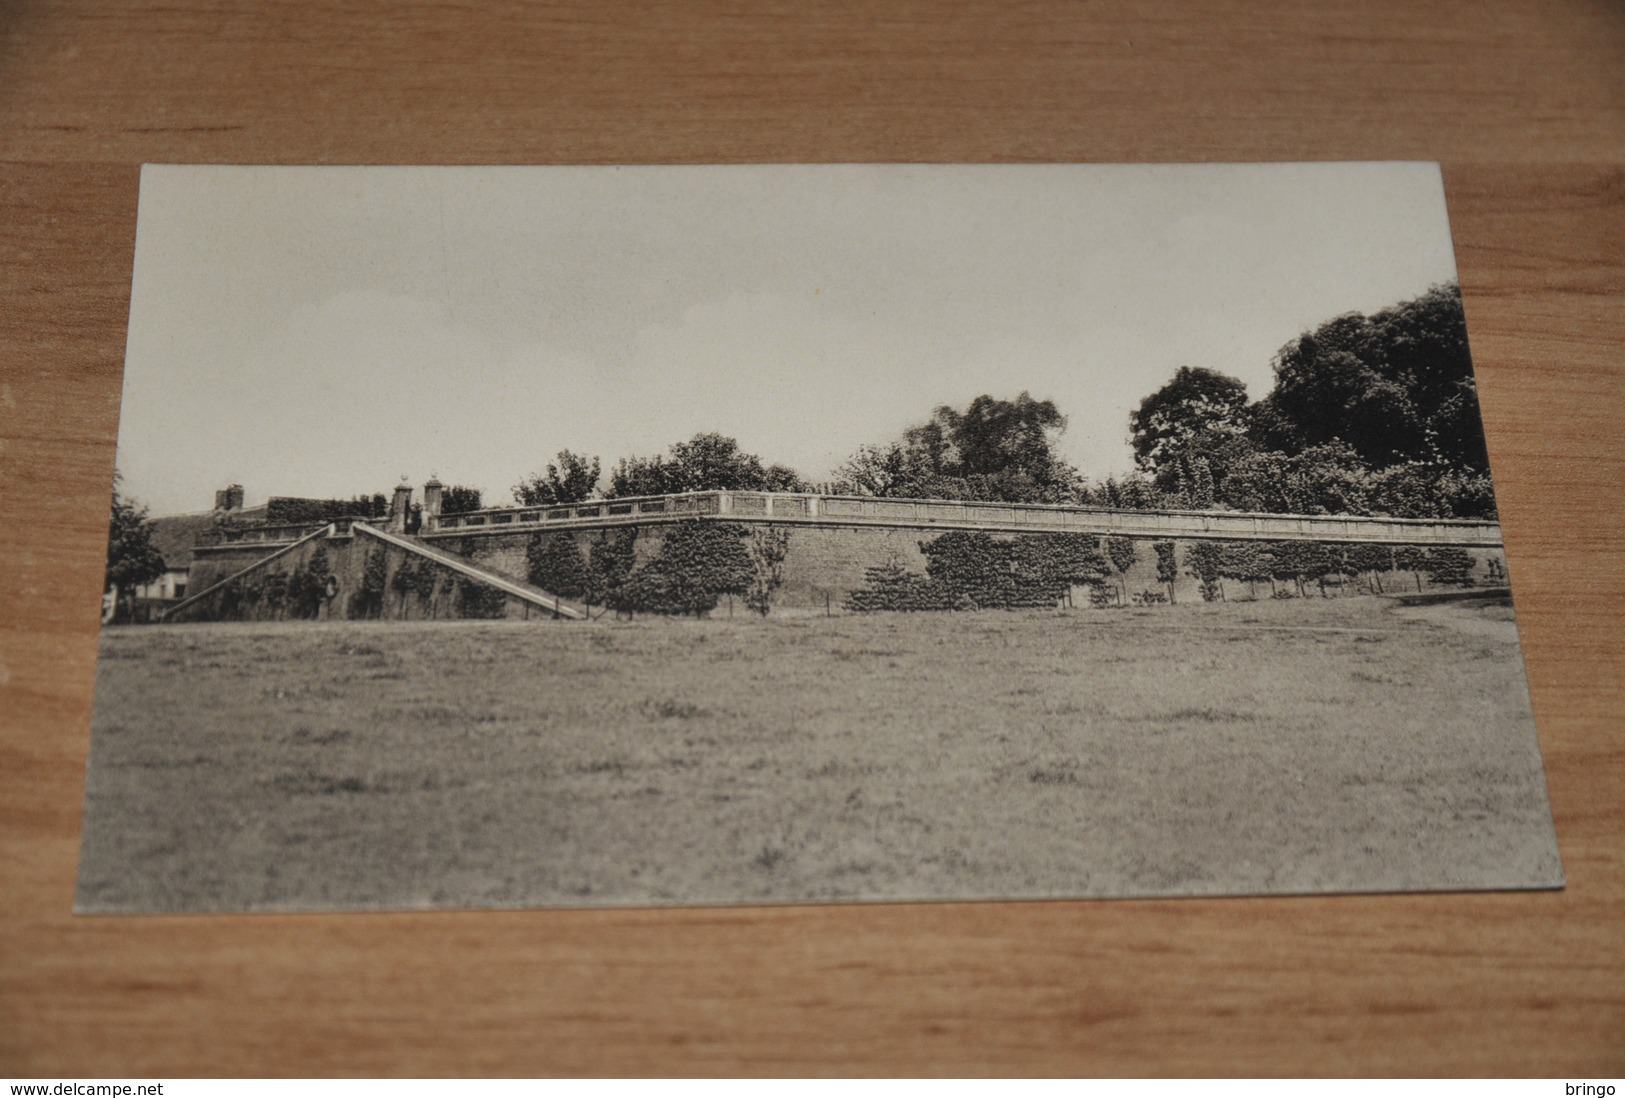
<point x="535" y="596"/>
<point x="174" y="612"/>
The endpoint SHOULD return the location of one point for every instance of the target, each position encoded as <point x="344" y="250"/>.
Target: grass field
<point x="1299" y="746"/>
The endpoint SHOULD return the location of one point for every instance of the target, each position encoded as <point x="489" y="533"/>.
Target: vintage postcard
<point x="587" y="536"/>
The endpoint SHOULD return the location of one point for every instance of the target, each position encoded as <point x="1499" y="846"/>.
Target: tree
<point x="1321" y="480"/>
<point x="1199" y="414"/>
<point x="767" y="546"/>
<point x="698" y="563"/>
<point x="610" y="560"/>
<point x="131" y="558"/>
<point x="1167" y="567"/>
<point x="1121" y="552"/>
<point x="554" y="563"/>
<point x="1371" y="561"/>
<point x="367" y="601"/>
<point x="637" y="476"/>
<point x="1450" y="567"/>
<point x="707" y="462"/>
<point x="1205" y="561"/>
<point x="993" y="450"/>
<point x="1397" y="385"/>
<point x="458" y="500"/>
<point x="570" y="478"/>
<point x="1247" y="562"/>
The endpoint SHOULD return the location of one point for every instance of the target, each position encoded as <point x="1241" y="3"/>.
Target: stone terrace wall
<point x="824" y="564"/>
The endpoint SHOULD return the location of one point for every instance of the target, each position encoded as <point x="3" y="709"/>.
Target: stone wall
<point x="347" y="561"/>
<point x="826" y="563"/>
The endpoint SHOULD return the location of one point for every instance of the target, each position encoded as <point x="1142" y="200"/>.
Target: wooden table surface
<point x="1523" y="102"/>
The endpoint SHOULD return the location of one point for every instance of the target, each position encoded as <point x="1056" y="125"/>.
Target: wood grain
<point x="1523" y="102"/>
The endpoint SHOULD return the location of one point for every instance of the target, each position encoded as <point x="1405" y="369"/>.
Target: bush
<point x="968" y="570"/>
<point x="368" y="600"/>
<point x="554" y="563"/>
<point x="1450" y="567"/>
<point x="698" y="563"/>
<point x="289" y="510"/>
<point x="893" y="587"/>
<point x="767" y="547"/>
<point x="480" y="600"/>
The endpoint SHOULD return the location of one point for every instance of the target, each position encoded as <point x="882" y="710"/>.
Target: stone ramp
<point x="529" y="593"/>
<point x="174" y="612"/>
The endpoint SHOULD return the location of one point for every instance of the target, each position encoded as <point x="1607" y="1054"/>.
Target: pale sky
<point x="323" y="331"/>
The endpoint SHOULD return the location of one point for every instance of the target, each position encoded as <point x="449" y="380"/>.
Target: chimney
<point x="398" y="507"/>
<point x="431" y="504"/>
<point x="229" y="499"/>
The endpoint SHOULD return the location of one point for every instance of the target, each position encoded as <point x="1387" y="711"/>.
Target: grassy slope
<point x="1304" y="746"/>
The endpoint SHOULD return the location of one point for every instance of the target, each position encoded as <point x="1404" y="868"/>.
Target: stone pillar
<point x="398" y="506"/>
<point x="432" y="492"/>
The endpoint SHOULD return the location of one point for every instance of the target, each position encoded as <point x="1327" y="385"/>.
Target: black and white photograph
<point x="654" y="536"/>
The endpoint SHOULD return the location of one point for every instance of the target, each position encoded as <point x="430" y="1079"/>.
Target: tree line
<point x="1367" y="415"/>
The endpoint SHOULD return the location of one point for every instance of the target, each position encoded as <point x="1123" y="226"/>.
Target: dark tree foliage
<point x="1198" y="420"/>
<point x="480" y="600"/>
<point x="1167" y="565"/>
<point x="1134" y="492"/>
<point x="1322" y="480"/>
<point x="698" y="563"/>
<point x="1049" y="565"/>
<point x="1246" y="562"/>
<point x="570" y="478"/>
<point x="1368" y="415"/>
<point x="611" y="557"/>
<point x="458" y="500"/>
<point x="970" y="570"/>
<point x="1122" y="554"/>
<point x="892" y="587"/>
<point x="290" y="510"/>
<point x="1450" y="567"/>
<point x="1205" y="561"/>
<point x="1371" y="561"/>
<point x="993" y="450"/>
<point x="131" y="558"/>
<point x="1397" y="386"/>
<point x="1300" y="561"/>
<point x="307" y="585"/>
<point x="367" y="601"/>
<point x="1412" y="559"/>
<point x="554" y="563"/>
<point x="768" y="546"/>
<point x="275" y="593"/>
<point x="706" y="462"/>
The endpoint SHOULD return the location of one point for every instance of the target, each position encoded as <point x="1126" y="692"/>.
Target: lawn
<point x="1293" y="746"/>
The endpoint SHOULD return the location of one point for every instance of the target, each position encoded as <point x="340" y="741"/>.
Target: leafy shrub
<point x="459" y="500"/>
<point x="1167" y="565"/>
<point x="1205" y="561"/>
<point x="610" y="560"/>
<point x="480" y="600"/>
<point x="367" y="601"/>
<point x="768" y="546"/>
<point x="892" y="587"/>
<point x="290" y="510"/>
<point x="554" y="563"/>
<point x="1450" y="567"/>
<point x="972" y="570"/>
<point x="698" y="563"/>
